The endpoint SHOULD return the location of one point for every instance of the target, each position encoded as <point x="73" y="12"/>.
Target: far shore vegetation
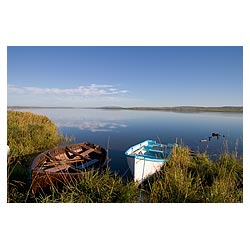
<point x="173" y="109"/>
<point x="184" y="178"/>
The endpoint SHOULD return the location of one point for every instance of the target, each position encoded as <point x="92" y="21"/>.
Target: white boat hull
<point x="143" y="161"/>
<point x="142" y="169"/>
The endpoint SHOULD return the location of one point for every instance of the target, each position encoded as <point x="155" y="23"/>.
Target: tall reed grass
<point x="94" y="187"/>
<point x="27" y="135"/>
<point x="188" y="178"/>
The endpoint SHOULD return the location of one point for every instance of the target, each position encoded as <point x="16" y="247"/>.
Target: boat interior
<point x="71" y="160"/>
<point x="159" y="151"/>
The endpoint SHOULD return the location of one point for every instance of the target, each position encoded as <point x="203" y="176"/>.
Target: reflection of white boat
<point x="147" y="157"/>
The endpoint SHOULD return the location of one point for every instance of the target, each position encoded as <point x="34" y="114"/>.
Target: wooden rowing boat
<point x="66" y="163"/>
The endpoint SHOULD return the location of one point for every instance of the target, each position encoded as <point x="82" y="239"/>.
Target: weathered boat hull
<point x="146" y="158"/>
<point x="66" y="164"/>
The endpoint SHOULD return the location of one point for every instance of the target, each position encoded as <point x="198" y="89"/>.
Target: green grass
<point x="27" y="135"/>
<point x="197" y="179"/>
<point x="184" y="178"/>
<point x="94" y="188"/>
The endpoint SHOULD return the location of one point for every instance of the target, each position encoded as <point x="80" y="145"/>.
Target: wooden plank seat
<point x="57" y="168"/>
<point x="87" y="164"/>
<point x="83" y="155"/>
<point x="80" y="154"/>
<point x="96" y="149"/>
<point x="87" y="152"/>
<point x="72" y="154"/>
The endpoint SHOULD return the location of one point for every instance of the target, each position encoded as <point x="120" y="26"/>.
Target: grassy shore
<point x="184" y="178"/>
<point x="188" y="178"/>
<point x="27" y="135"/>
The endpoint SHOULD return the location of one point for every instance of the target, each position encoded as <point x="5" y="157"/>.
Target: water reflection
<point x="93" y="126"/>
<point x="93" y="120"/>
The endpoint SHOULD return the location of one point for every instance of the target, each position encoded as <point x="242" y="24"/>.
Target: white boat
<point x="147" y="157"/>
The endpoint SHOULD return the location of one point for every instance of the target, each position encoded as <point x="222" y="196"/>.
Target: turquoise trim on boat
<point x="153" y="152"/>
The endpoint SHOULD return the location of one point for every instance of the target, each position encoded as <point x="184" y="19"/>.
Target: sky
<point x="127" y="76"/>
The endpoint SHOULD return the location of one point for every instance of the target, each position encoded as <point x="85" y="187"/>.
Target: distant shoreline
<point x="174" y="109"/>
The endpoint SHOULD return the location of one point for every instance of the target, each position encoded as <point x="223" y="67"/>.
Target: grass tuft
<point x="197" y="179"/>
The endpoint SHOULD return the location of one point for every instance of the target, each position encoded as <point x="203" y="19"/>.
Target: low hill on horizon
<point x="175" y="108"/>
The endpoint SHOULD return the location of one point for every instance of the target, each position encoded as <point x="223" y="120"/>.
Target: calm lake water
<point x="124" y="128"/>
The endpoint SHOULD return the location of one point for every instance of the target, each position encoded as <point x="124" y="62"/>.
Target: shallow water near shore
<point x="120" y="129"/>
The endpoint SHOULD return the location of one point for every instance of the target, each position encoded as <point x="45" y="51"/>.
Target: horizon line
<point x="120" y="107"/>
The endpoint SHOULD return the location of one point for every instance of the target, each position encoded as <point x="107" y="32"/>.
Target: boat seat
<point x="82" y="155"/>
<point x="147" y="148"/>
<point x="73" y="153"/>
<point x="87" y="164"/>
<point x="58" y="168"/>
<point x="96" y="149"/>
<point x="87" y="152"/>
<point x="156" y="151"/>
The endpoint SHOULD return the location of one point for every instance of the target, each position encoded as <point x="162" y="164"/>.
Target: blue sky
<point x="125" y="76"/>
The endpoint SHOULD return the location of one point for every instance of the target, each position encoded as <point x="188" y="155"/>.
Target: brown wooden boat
<point x="65" y="164"/>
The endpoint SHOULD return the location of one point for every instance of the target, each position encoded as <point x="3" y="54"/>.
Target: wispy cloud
<point x="91" y="90"/>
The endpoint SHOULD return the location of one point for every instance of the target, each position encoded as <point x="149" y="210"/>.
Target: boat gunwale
<point x="130" y="151"/>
